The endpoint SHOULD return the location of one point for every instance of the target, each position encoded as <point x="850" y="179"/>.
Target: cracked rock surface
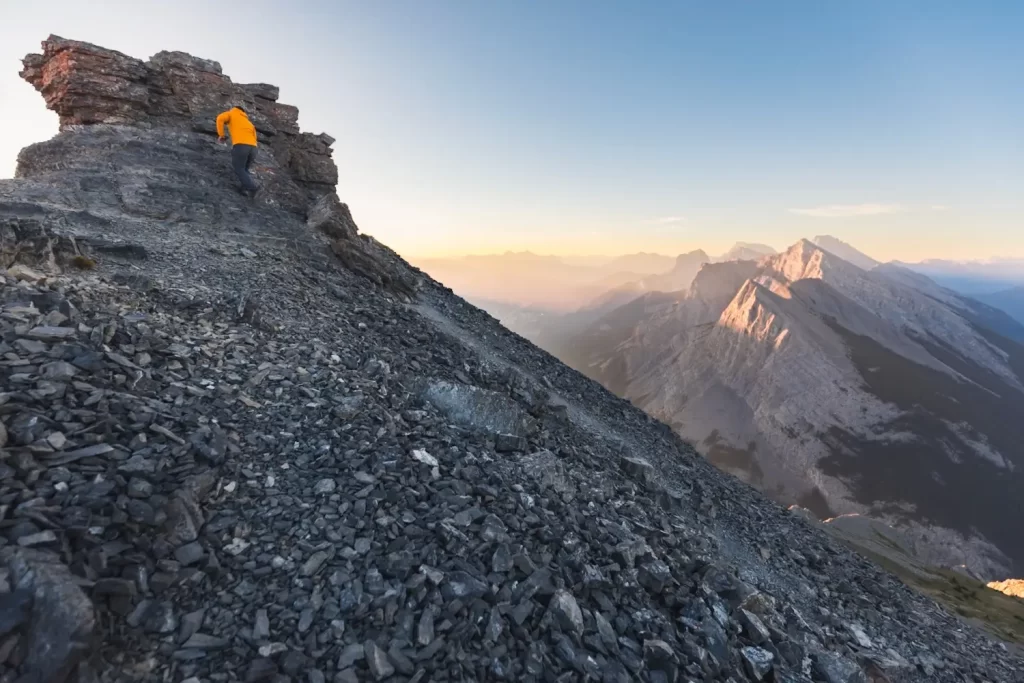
<point x="230" y="454"/>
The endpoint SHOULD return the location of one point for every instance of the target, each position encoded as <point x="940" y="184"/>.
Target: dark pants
<point x="242" y="157"/>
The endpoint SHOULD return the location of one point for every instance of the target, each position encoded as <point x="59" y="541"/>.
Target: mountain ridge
<point x="244" y="441"/>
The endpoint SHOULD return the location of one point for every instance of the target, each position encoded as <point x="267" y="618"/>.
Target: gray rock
<point x="14" y="610"/>
<point x="190" y="553"/>
<point x="754" y="627"/>
<point x="61" y="622"/>
<point x="138" y="464"/>
<point x="566" y="612"/>
<point x="272" y="649"/>
<point x="757" y="662"/>
<point x="495" y="626"/>
<point x="79" y="453"/>
<point x="205" y="642"/>
<point x="160" y="618"/>
<point x="660" y="657"/>
<point x="462" y="585"/>
<point x="425" y="629"/>
<point x="305" y="620"/>
<point x="315" y="562"/>
<point x="30" y="346"/>
<point x="501" y="560"/>
<point x="655" y="576"/>
<point x="378" y="661"/>
<point x="832" y="668"/>
<point x="638" y="468"/>
<point x="857" y="631"/>
<point x="507" y="443"/>
<point x="190" y="624"/>
<point x="49" y="333"/>
<point x="292" y="663"/>
<point x="627" y="552"/>
<point x="324" y="486"/>
<point x="350" y="655"/>
<point x="606" y="631"/>
<point x="37" y="539"/>
<point x="184" y="518"/>
<point x="139" y="488"/>
<point x="58" y="371"/>
<point x="260" y="669"/>
<point x="464" y="518"/>
<point x="493" y="529"/>
<point x="26" y="428"/>
<point x="346" y="676"/>
<point x="614" y="672"/>
<point x="478" y="408"/>
<point x="261" y="628"/>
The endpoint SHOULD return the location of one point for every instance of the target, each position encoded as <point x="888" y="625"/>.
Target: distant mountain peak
<point x="697" y="256"/>
<point x="845" y="251"/>
<point x="747" y="251"/>
<point x="803" y="259"/>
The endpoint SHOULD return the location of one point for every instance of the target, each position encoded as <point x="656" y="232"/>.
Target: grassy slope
<point x="999" y="614"/>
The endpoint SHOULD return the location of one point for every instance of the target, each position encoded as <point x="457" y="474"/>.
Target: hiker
<point x="243" y="145"/>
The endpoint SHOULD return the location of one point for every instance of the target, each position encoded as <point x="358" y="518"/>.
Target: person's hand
<point x="222" y="139"/>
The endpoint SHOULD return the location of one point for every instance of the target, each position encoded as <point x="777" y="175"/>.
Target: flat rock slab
<point x="480" y="409"/>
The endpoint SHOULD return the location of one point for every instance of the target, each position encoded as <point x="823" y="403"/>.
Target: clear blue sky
<point x="601" y="127"/>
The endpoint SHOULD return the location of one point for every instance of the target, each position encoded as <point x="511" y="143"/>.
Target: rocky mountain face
<point x="840" y="389"/>
<point x="241" y="441"/>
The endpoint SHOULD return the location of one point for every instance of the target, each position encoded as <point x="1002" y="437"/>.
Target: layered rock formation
<point x="86" y="84"/>
<point x="153" y="127"/>
<point x="229" y="452"/>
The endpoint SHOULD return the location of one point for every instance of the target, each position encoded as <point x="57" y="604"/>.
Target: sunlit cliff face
<point x="1014" y="587"/>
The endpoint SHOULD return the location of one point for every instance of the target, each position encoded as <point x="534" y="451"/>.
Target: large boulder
<point x="60" y="624"/>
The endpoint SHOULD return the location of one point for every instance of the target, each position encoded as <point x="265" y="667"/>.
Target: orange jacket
<point x="242" y="130"/>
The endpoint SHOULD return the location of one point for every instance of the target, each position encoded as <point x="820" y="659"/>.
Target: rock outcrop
<point x="229" y="451"/>
<point x="86" y="84"/>
<point x="153" y="128"/>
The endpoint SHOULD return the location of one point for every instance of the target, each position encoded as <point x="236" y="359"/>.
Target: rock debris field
<point x="242" y="442"/>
